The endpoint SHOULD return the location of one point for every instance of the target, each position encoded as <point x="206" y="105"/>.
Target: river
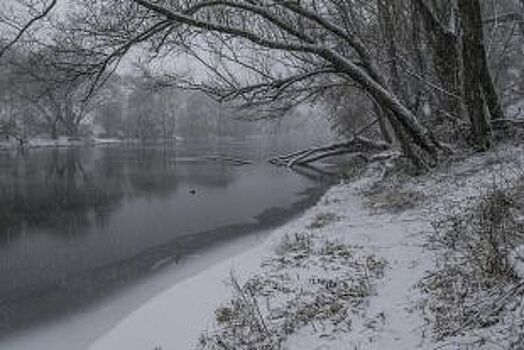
<point x="80" y="225"/>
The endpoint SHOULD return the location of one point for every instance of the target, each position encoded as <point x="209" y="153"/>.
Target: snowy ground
<point x="353" y="250"/>
<point x="62" y="141"/>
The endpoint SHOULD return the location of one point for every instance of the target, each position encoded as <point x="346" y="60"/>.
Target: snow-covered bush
<point x="477" y="287"/>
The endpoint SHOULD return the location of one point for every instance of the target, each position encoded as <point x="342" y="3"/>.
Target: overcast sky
<point x="13" y="8"/>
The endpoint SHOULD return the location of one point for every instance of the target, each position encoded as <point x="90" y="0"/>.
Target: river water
<point x="79" y="224"/>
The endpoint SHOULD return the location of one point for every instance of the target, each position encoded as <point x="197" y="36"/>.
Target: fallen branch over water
<point x="358" y="145"/>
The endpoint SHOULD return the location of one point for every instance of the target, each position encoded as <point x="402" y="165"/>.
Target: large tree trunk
<point x="446" y="58"/>
<point x="408" y="148"/>
<point x="478" y="87"/>
<point x="448" y="68"/>
<point x="471" y="12"/>
<point x="387" y="15"/>
<point x="405" y="124"/>
<point x="419" y="59"/>
<point x="397" y="112"/>
<point x="490" y="92"/>
<point x="407" y="130"/>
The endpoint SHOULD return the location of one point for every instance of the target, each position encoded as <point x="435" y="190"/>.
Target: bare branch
<point x="27" y="26"/>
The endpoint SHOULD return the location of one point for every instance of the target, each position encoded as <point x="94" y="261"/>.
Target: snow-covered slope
<point x="390" y="315"/>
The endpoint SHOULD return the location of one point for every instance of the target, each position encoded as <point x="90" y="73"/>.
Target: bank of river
<point x="89" y="234"/>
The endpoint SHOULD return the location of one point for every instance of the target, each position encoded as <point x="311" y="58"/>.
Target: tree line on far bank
<point x="421" y="76"/>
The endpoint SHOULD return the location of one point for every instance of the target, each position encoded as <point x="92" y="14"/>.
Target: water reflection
<point x="62" y="192"/>
<point x="66" y="191"/>
<point x="77" y="223"/>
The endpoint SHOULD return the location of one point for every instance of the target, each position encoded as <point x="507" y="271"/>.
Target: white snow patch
<point x="176" y="318"/>
<point x="393" y="318"/>
<point x="62" y="141"/>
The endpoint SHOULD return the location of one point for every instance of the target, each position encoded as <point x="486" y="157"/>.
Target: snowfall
<point x="390" y="314"/>
<point x="343" y="275"/>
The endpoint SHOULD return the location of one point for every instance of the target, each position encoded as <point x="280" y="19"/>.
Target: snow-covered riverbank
<point x="59" y="142"/>
<point x="348" y="242"/>
<point x="177" y="318"/>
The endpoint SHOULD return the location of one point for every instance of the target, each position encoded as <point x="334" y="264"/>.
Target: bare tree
<point x="315" y="43"/>
<point x="58" y="101"/>
<point x="395" y="58"/>
<point x="35" y="14"/>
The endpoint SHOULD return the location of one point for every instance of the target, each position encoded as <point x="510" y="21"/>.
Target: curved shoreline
<point x="236" y="239"/>
<point x="158" y="323"/>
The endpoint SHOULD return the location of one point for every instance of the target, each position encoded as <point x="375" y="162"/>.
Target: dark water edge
<point x="76" y="293"/>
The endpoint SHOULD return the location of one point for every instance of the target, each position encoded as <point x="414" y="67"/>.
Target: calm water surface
<point x="77" y="224"/>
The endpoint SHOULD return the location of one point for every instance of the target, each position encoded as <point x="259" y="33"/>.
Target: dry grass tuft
<point x="310" y="282"/>
<point x="475" y="287"/>
<point x="322" y="220"/>
<point x="393" y="198"/>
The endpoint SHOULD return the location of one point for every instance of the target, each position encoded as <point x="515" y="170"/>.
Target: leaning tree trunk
<point x="395" y="110"/>
<point x="476" y="74"/>
<point x="403" y="119"/>
<point x="407" y="146"/>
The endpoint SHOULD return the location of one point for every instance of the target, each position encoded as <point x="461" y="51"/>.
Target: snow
<point x="104" y="141"/>
<point x="392" y="318"/>
<point x="62" y="141"/>
<point x="396" y="238"/>
<point x="80" y="330"/>
<point x="176" y="318"/>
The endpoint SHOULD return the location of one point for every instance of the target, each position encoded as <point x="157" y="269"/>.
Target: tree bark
<point x="446" y="57"/>
<point x="387" y="15"/>
<point x="363" y="71"/>
<point x="473" y="54"/>
<point x="490" y="92"/>
<point x="477" y="33"/>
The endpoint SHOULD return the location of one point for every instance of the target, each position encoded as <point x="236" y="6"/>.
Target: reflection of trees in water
<point x="155" y="170"/>
<point x="208" y="174"/>
<point x="68" y="191"/>
<point x="52" y="190"/>
<point x="151" y="171"/>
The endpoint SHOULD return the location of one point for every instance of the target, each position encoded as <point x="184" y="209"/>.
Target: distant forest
<point x="420" y="77"/>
